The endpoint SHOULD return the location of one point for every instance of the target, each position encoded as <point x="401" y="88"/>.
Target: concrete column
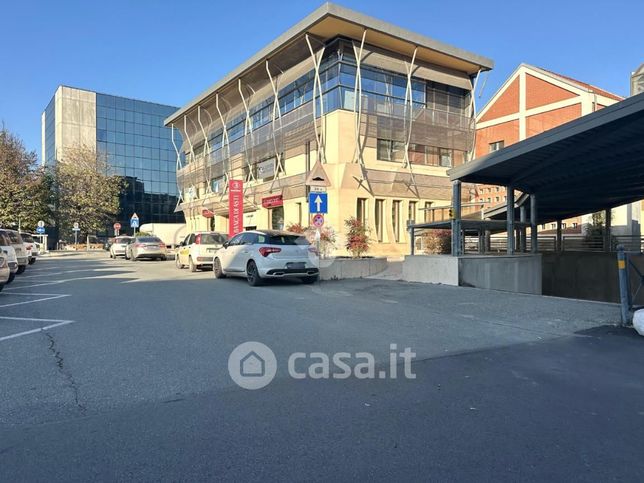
<point x="523" y="230"/>
<point x="559" y="237"/>
<point x="534" y="235"/>
<point x="456" y="218"/>
<point x="607" y="230"/>
<point x="510" y="219"/>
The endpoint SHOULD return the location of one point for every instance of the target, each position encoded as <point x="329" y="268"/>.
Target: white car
<point x="117" y="249"/>
<point x="30" y="247"/>
<point x="5" y="273"/>
<point x="262" y="254"/>
<point x="10" y="253"/>
<point x="198" y="249"/>
<point x="16" y="242"/>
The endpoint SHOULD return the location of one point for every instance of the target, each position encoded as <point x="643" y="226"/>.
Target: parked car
<point x="5" y="273"/>
<point x="119" y="246"/>
<point x="145" y="247"/>
<point x="263" y="254"/>
<point x="10" y="253"/>
<point x="198" y="248"/>
<point x="16" y="242"/>
<point x="30" y="247"/>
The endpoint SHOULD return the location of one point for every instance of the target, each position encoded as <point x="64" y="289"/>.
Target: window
<point x="299" y="213"/>
<point x="429" y="214"/>
<point x="389" y="150"/>
<point x="574" y="225"/>
<point x="445" y="156"/>
<point x="277" y="218"/>
<point x="553" y="226"/>
<point x="395" y="219"/>
<point x="563" y="225"/>
<point x="361" y="210"/>
<point x="411" y="211"/>
<point x="496" y="145"/>
<point x="378" y="218"/>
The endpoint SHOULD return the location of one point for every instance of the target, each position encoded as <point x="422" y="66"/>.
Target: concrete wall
<point x="341" y="268"/>
<point x="586" y="275"/>
<point x="518" y="273"/>
<point x="431" y="269"/>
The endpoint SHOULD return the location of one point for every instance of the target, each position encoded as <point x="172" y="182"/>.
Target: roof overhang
<point x="330" y="21"/>
<point x="584" y="166"/>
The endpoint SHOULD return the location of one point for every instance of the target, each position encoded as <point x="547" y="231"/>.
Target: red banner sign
<point x="235" y="206"/>
<point x="272" y="201"/>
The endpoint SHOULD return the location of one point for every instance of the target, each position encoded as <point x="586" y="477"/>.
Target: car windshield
<point x="26" y="238"/>
<point x="148" y="239"/>
<point x="213" y="239"/>
<point x="123" y="239"/>
<point x="287" y="240"/>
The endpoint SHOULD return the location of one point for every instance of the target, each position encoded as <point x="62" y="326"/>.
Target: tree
<point x="357" y="237"/>
<point x="86" y="190"/>
<point x="25" y="194"/>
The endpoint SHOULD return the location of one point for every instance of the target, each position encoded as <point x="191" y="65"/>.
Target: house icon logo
<point x="252" y="365"/>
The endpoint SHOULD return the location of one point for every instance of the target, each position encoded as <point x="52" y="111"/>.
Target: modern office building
<point x="385" y="112"/>
<point x="533" y="100"/>
<point x="132" y="136"/>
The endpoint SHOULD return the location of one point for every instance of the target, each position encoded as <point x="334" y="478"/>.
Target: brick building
<point x="533" y="100"/>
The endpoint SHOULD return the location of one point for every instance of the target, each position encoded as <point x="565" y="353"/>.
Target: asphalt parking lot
<point x="117" y="370"/>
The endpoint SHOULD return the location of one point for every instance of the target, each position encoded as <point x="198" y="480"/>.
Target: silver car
<point x="145" y="247"/>
<point x="16" y="242"/>
<point x="263" y="254"/>
<point x="117" y="249"/>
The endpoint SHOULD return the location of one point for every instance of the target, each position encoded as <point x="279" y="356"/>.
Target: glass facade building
<point x="131" y="134"/>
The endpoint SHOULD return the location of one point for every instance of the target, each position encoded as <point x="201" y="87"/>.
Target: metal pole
<point x="623" y="286"/>
<point x="510" y="219"/>
<point x="607" y="230"/>
<point x="76" y="239"/>
<point x="456" y="220"/>
<point x="523" y="230"/>
<point x="559" y="237"/>
<point x="412" y="231"/>
<point x="534" y="235"/>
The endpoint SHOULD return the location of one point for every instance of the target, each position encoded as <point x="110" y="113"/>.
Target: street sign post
<point x="40" y="230"/>
<point x="41" y="224"/>
<point x="134" y="222"/>
<point x="76" y="229"/>
<point x="318" y="203"/>
<point x="117" y="228"/>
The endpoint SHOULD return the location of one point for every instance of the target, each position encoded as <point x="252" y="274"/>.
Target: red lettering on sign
<point x="235" y="207"/>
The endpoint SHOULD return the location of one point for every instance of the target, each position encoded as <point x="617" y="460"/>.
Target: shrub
<point x="357" y="237"/>
<point x="437" y="242"/>
<point x="295" y="228"/>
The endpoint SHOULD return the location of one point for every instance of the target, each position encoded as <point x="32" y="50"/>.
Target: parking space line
<point x="34" y="301"/>
<point x="35" y="331"/>
<point x="33" y="319"/>
<point x="29" y="294"/>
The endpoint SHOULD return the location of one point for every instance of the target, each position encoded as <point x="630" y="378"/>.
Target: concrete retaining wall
<point x="587" y="275"/>
<point x="431" y="269"/>
<point x="518" y="273"/>
<point x="342" y="268"/>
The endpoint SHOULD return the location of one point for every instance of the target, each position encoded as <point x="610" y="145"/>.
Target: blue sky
<point x="168" y="52"/>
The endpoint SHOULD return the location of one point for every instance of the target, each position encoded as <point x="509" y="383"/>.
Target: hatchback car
<point x="10" y="253"/>
<point x="262" y="254"/>
<point x="118" y="246"/>
<point x="198" y="249"/>
<point x="145" y="247"/>
<point x="16" y="242"/>
<point x="5" y="273"/>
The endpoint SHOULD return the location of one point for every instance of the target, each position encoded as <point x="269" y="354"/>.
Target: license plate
<point x="295" y="265"/>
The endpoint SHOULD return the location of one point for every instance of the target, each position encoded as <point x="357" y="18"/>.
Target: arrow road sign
<point x="318" y="203"/>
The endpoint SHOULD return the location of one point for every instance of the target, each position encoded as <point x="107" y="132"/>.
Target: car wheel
<point x="133" y="258"/>
<point x="12" y="275"/>
<point x="252" y="275"/>
<point x="1" y="286"/>
<point x="21" y="268"/>
<point x="111" y="255"/>
<point x="178" y="264"/>
<point x="191" y="265"/>
<point x="32" y="261"/>
<point x="310" y="279"/>
<point x="216" y="268"/>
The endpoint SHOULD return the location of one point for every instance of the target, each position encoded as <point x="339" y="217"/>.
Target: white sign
<point x="41" y="224"/>
<point x="76" y="226"/>
<point x="266" y="169"/>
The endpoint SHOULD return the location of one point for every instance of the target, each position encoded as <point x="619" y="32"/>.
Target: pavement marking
<point x="34" y="319"/>
<point x="30" y="294"/>
<point x="54" y="282"/>
<point x="35" y="331"/>
<point x="34" y="301"/>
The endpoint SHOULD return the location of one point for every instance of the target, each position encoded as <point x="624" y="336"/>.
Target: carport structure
<point x="591" y="164"/>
